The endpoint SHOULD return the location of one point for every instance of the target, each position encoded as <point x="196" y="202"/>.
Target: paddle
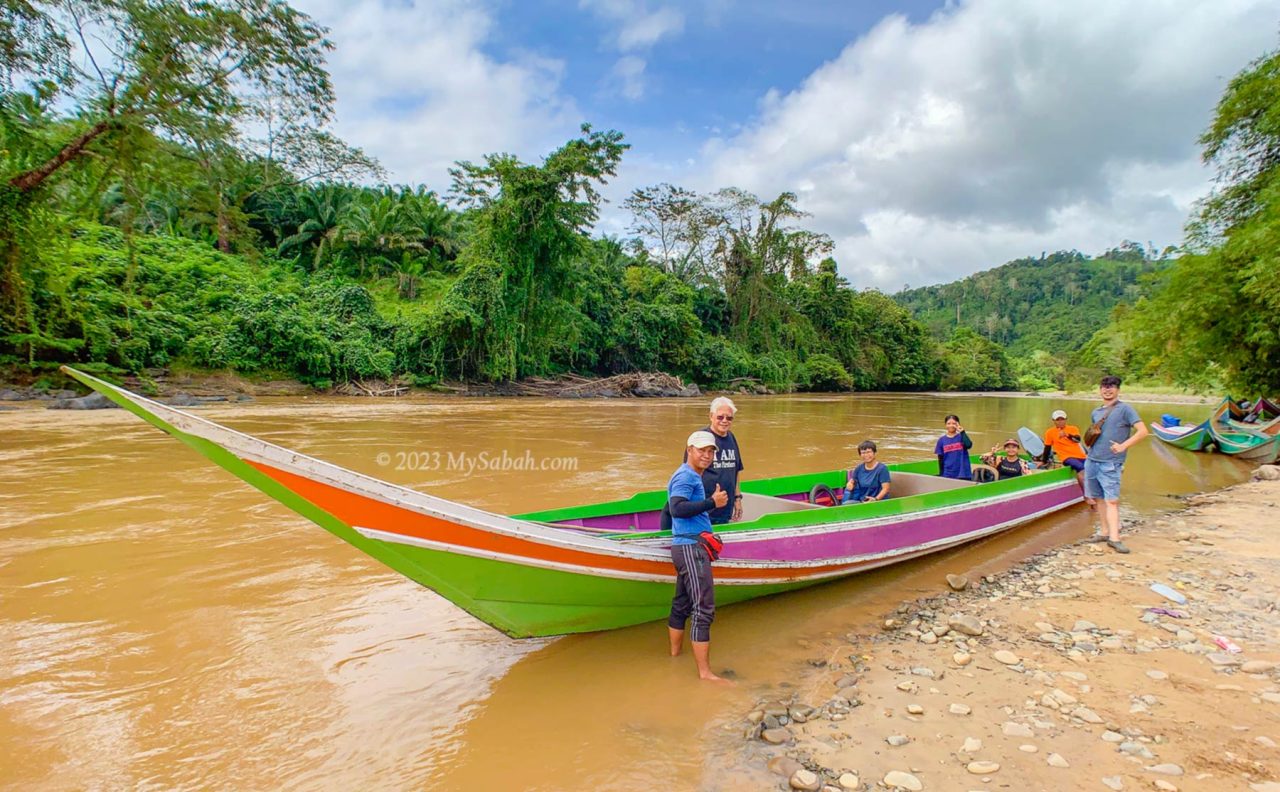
<point x="1031" y="441"/>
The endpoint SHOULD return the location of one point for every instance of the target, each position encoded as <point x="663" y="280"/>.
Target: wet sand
<point x="1071" y="681"/>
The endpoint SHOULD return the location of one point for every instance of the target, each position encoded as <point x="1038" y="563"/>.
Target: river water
<point x="165" y="626"/>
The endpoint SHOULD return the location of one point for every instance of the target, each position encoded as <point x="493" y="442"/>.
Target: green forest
<point x="180" y="205"/>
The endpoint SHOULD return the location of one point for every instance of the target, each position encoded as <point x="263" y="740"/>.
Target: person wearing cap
<point x="689" y="506"/>
<point x="724" y="469"/>
<point x="1009" y="465"/>
<point x="1063" y="440"/>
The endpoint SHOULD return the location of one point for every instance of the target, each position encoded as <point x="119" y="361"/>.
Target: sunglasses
<point x="728" y="418"/>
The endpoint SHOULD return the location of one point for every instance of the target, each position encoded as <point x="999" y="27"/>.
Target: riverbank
<point x="1130" y="394"/>
<point x="1066" y="672"/>
<point x="192" y="388"/>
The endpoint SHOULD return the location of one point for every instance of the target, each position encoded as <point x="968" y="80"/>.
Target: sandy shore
<point x="1057" y="674"/>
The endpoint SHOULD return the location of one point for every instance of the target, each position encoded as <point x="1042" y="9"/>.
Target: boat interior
<point x="755" y="506"/>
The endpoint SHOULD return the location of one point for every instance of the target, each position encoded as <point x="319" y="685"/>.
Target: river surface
<point x="165" y="626"/>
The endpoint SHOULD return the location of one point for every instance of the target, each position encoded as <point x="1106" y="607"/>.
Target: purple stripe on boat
<point x="863" y="540"/>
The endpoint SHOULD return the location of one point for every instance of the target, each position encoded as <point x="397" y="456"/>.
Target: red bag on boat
<point x="711" y="543"/>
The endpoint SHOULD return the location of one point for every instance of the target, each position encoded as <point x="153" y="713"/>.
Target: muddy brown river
<point x="164" y="626"/>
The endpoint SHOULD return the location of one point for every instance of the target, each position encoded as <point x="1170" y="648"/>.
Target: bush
<point x="821" y="372"/>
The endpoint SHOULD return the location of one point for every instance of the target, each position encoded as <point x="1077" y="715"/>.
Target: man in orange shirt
<point x="1064" y="440"/>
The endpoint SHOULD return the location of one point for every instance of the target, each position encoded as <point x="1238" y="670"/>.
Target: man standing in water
<point x="1105" y="462"/>
<point x="689" y="505"/>
<point x="727" y="465"/>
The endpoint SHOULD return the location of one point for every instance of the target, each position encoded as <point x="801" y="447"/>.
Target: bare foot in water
<point x="711" y="677"/>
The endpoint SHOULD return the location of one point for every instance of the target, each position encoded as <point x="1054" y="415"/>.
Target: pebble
<point x="907" y="686"/>
<point x="1221" y="659"/>
<point x="1045" y="627"/>
<point x="959" y="709"/>
<point x="927" y="673"/>
<point x="1265" y="786"/>
<point x="929" y="638"/>
<point x="1136" y="749"/>
<point x="849" y="781"/>
<point x="1056" y="760"/>
<point x="1112" y="737"/>
<point x="982" y="768"/>
<point x="1257" y="667"/>
<point x="1063" y="697"/>
<point x="1028" y="748"/>
<point x="1113" y="783"/>
<point x="971" y="745"/>
<point x="957" y="582"/>
<point x="1165" y="786"/>
<point x="961" y="659"/>
<point x="897" y="740"/>
<point x="784" y="766"/>
<point x="1165" y="769"/>
<point x="1273" y="698"/>
<point x="896" y="779"/>
<point x="775" y="736"/>
<point x="964" y="623"/>
<point x="1006" y="657"/>
<point x="1157" y="674"/>
<point x="805" y="780"/>
<point x="1082" y="625"/>
<point x="1012" y="729"/>
<point x="1267" y="741"/>
<point x="1087" y="715"/>
<point x="915" y="709"/>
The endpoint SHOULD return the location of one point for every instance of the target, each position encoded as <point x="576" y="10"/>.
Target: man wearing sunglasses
<point x="728" y="462"/>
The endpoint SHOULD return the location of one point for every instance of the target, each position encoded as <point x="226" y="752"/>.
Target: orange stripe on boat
<point x="354" y="509"/>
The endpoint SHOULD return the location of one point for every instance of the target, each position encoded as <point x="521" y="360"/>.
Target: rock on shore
<point x="1066" y="672"/>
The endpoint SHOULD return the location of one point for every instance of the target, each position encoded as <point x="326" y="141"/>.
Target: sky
<point x="929" y="140"/>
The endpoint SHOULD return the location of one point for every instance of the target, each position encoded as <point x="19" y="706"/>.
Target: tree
<point x="137" y="70"/>
<point x="530" y="228"/>
<point x="1217" y="317"/>
<point x="675" y="228"/>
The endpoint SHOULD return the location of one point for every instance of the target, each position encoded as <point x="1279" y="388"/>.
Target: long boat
<point x="605" y="565"/>
<point x="1194" y="437"/>
<point x="1245" y="443"/>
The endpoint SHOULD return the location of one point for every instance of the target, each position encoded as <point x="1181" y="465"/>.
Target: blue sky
<point x="929" y="140"/>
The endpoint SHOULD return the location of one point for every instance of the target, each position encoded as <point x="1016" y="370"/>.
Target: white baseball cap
<point x="701" y="439"/>
<point x="1058" y="414"/>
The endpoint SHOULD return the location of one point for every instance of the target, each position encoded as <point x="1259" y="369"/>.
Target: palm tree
<point x="323" y="210"/>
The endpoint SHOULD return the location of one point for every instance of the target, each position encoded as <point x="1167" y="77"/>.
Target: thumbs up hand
<point x="720" y="497"/>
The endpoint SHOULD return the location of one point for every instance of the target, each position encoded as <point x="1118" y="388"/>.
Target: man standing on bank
<point x="695" y="596"/>
<point x="1102" y="468"/>
<point x="727" y="465"/>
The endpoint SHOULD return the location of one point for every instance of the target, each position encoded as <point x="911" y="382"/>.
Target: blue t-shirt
<point x="723" y="470"/>
<point x="1118" y="426"/>
<point x="686" y="483"/>
<point x="867" y="483"/>
<point x="955" y="457"/>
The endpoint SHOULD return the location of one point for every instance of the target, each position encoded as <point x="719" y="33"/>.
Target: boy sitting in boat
<point x="869" y="481"/>
<point x="1010" y="464"/>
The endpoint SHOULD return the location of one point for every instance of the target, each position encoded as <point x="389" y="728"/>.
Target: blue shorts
<point x="1075" y="463"/>
<point x="1102" y="479"/>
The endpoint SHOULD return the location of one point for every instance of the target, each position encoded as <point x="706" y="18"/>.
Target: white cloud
<point x="636" y="29"/>
<point x="416" y="90"/>
<point x="628" y="72"/>
<point x="997" y="129"/>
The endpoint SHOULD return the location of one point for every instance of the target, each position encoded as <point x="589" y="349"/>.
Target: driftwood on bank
<point x="571" y="386"/>
<point x="371" y="388"/>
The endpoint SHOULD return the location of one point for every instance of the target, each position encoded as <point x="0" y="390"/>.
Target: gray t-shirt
<point x="1119" y="425"/>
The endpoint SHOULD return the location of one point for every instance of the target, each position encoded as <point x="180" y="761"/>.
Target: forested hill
<point x="1053" y="303"/>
